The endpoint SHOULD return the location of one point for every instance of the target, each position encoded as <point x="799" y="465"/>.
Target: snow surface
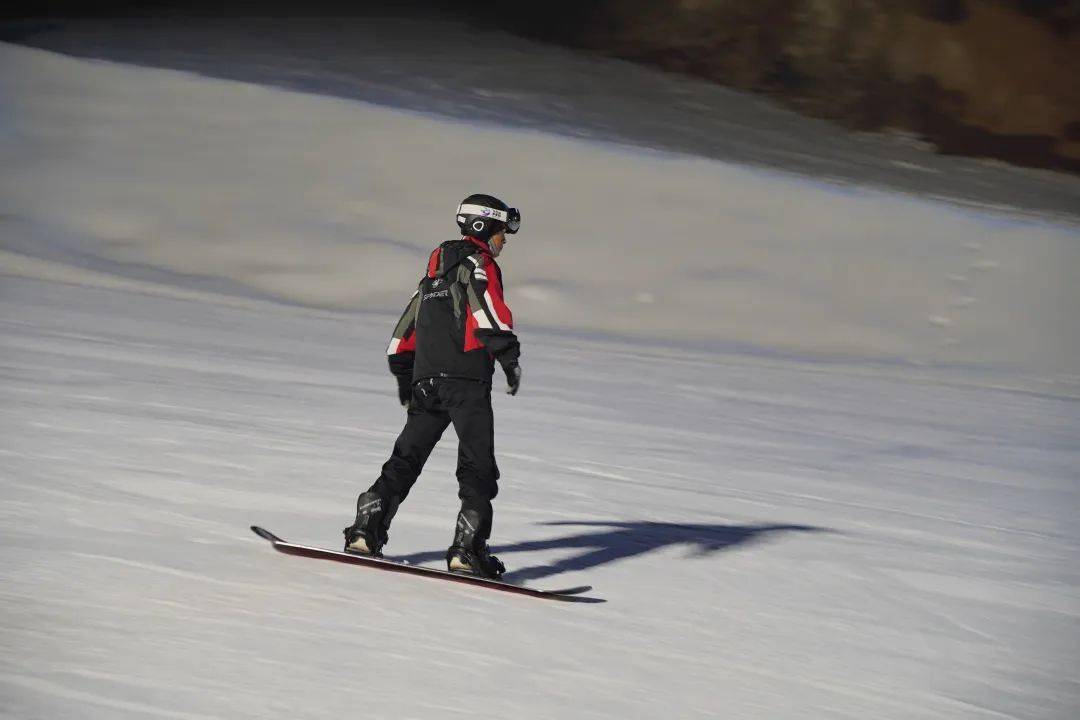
<point x="336" y="203"/>
<point x="837" y="479"/>
<point x="453" y="66"/>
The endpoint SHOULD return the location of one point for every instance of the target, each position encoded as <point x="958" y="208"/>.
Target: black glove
<point x="404" y="389"/>
<point x="513" y="377"/>
<point x="401" y="365"/>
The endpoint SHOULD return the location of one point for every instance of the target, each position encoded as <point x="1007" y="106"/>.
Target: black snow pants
<point x="436" y="403"/>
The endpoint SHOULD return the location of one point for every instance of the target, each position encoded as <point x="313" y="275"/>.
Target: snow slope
<point x="336" y="203"/>
<point x="838" y="480"/>
<point x="453" y="65"/>
<point x="773" y="539"/>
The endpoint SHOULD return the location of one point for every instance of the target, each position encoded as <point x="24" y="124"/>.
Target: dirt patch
<point x="990" y="78"/>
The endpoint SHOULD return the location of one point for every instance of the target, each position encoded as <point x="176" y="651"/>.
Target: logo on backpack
<point x="437" y="294"/>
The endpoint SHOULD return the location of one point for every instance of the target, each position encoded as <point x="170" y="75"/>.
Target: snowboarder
<point x="443" y="353"/>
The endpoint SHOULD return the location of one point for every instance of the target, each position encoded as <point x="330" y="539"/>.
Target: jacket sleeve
<point x="402" y="349"/>
<point x="494" y="321"/>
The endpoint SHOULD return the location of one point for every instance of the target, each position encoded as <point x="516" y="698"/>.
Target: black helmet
<point x="482" y="216"/>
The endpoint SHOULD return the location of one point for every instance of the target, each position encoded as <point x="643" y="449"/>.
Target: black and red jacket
<point x="457" y="323"/>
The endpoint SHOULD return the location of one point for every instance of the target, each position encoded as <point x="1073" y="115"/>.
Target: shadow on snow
<point x="606" y="542"/>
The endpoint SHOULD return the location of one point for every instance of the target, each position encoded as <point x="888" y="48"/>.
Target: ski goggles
<point x="510" y="217"/>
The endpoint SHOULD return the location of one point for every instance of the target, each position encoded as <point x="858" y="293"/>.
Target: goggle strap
<point x="483" y="211"/>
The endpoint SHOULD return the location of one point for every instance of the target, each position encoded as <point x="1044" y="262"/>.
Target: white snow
<point x="337" y="203"/>
<point x="833" y="477"/>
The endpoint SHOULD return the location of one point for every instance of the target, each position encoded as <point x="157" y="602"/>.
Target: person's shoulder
<point x="481" y="260"/>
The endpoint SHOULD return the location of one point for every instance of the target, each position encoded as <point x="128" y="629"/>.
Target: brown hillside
<point x="987" y="78"/>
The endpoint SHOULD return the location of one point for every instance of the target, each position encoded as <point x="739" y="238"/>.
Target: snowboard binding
<point x="468" y="562"/>
<point x="470" y="554"/>
<point x="371" y="529"/>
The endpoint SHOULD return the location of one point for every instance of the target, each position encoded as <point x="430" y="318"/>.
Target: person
<point x="443" y="353"/>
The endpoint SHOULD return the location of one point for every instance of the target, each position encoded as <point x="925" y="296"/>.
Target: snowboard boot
<point x="371" y="530"/>
<point x="469" y="554"/>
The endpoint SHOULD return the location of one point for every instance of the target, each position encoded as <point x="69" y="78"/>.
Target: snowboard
<point x="566" y="595"/>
